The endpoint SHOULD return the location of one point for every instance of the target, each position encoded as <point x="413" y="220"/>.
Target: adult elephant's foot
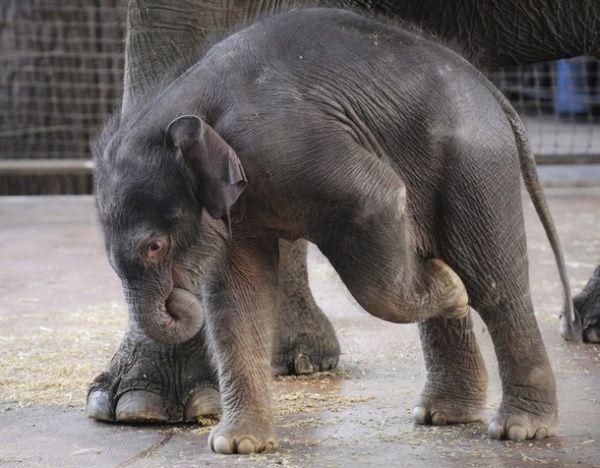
<point x="150" y="382"/>
<point x="456" y="387"/>
<point x="587" y="304"/>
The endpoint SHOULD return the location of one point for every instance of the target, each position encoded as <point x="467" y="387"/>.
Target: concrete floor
<point x="62" y="316"/>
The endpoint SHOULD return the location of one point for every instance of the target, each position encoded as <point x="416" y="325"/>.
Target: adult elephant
<point x="147" y="381"/>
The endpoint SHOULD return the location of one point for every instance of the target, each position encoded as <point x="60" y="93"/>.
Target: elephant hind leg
<point x="456" y="386"/>
<point x="489" y="252"/>
<point x="373" y="252"/>
<point x="529" y="406"/>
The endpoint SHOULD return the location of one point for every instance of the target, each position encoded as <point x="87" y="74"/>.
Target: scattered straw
<point x="55" y="362"/>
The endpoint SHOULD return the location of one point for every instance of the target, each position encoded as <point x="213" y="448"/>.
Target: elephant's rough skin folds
<point x="390" y="152"/>
<point x="161" y="42"/>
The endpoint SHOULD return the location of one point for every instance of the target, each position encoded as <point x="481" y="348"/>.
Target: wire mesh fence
<point x="60" y="76"/>
<point x="560" y="104"/>
<point x="61" y="66"/>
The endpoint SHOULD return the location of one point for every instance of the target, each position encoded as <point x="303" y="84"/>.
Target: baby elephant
<point x="391" y="153"/>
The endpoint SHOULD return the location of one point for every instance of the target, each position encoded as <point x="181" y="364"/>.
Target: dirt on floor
<point x="62" y="316"/>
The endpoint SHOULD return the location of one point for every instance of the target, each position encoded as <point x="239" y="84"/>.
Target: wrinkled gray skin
<point x="147" y="381"/>
<point x="511" y="32"/>
<point x="391" y="153"/>
<point x="587" y="304"/>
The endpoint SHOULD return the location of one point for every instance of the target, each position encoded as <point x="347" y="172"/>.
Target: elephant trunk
<point x="171" y="321"/>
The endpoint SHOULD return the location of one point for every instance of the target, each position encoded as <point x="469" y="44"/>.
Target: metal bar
<point x="86" y="166"/>
<point x="567" y="159"/>
<point x="22" y="167"/>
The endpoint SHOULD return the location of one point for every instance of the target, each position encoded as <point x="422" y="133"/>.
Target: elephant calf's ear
<point x="218" y="170"/>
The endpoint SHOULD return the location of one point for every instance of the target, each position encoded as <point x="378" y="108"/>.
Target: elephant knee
<point x="381" y="304"/>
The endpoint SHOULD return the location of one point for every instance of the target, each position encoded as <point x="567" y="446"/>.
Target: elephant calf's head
<point x="151" y="187"/>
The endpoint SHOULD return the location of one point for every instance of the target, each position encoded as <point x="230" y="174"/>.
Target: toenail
<point x="495" y="430"/>
<point x="303" y="364"/>
<point x="221" y="445"/>
<point x="439" y="419"/>
<point x="330" y="363"/>
<point x="246" y="445"/>
<point x="420" y="414"/>
<point x="270" y="447"/>
<point x="517" y="433"/>
<point x="140" y="406"/>
<point x="99" y="407"/>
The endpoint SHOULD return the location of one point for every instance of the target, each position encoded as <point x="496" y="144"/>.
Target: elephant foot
<point x="305" y="346"/>
<point x="147" y="382"/>
<point x="587" y="304"/>
<point x="453" y="403"/>
<point x="242" y="437"/>
<point x="517" y="425"/>
<point x="151" y="382"/>
<point x="443" y="411"/>
<point x="529" y="409"/>
<point x="456" y="387"/>
<point x="587" y="307"/>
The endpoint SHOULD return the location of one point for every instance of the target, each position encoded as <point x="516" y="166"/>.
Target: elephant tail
<point x="570" y="322"/>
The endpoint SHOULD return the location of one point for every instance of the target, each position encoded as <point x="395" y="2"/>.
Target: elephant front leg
<point x="455" y="391"/>
<point x="241" y="302"/>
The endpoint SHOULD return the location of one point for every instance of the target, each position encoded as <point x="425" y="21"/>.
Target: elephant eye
<point x="155" y="246"/>
<point x="156" y="249"/>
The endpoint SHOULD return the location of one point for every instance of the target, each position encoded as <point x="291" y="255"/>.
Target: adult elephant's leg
<point x="304" y="341"/>
<point x="587" y="304"/>
<point x="146" y="381"/>
<point x="151" y="382"/>
<point x="455" y="391"/>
